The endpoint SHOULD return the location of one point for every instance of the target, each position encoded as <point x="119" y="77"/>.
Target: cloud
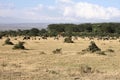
<point x="64" y="1"/>
<point x="38" y="7"/>
<point x="62" y="11"/>
<point x="7" y="5"/>
<point x="90" y="11"/>
<point x="6" y="10"/>
<point x="51" y="7"/>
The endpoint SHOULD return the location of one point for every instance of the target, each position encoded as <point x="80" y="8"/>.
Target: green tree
<point x="34" y="32"/>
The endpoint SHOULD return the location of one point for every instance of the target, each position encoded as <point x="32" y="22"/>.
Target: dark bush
<point x="68" y="40"/>
<point x="20" y="45"/>
<point x="93" y="47"/>
<point x="8" y="42"/>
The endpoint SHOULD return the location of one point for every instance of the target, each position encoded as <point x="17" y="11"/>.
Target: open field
<point x="39" y="62"/>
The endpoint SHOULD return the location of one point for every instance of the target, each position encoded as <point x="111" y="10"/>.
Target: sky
<point x="59" y="11"/>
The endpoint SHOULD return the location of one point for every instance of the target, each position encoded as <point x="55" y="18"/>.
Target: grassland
<point x="39" y="62"/>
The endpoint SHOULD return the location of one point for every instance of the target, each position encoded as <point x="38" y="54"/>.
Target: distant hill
<point x="22" y="26"/>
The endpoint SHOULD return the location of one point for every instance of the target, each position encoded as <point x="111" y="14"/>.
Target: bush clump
<point x="68" y="40"/>
<point x="93" y="47"/>
<point x="8" y="42"/>
<point x="20" y="45"/>
<point x="57" y="51"/>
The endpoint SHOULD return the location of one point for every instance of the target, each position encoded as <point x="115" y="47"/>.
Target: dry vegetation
<point x="40" y="63"/>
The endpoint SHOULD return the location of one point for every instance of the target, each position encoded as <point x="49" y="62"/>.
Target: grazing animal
<point x="26" y="38"/>
<point x="43" y="37"/>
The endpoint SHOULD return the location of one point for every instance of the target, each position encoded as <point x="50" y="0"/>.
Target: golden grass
<point x="33" y="65"/>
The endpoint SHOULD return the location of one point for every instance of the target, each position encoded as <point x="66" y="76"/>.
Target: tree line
<point x="28" y="32"/>
<point x="86" y="29"/>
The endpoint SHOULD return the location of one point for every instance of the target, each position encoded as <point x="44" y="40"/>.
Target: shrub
<point x="20" y="45"/>
<point x="8" y="42"/>
<point x="57" y="51"/>
<point x="68" y="40"/>
<point x="93" y="47"/>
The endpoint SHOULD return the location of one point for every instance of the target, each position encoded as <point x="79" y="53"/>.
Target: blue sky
<point x="44" y="11"/>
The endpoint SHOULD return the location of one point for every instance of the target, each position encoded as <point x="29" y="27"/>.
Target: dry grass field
<point x="39" y="62"/>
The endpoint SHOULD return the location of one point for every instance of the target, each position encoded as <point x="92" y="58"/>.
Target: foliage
<point x="93" y="47"/>
<point x="68" y="40"/>
<point x="8" y="42"/>
<point x="86" y="29"/>
<point x="42" y="32"/>
<point x="20" y="45"/>
<point x="34" y="32"/>
<point x="101" y="29"/>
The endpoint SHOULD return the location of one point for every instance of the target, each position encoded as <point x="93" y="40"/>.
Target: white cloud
<point x="64" y="1"/>
<point x="7" y="5"/>
<point x="65" y="10"/>
<point x="90" y="11"/>
<point x="38" y="7"/>
<point x="51" y="7"/>
<point x="7" y="10"/>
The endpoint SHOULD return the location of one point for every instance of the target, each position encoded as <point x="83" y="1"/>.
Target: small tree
<point x="8" y="42"/>
<point x="20" y="45"/>
<point x="93" y="47"/>
<point x="68" y="40"/>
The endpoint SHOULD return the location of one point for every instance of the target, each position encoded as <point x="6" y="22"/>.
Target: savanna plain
<point x="38" y="62"/>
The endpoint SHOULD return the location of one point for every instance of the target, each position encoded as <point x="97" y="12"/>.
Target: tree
<point x="42" y="32"/>
<point x="34" y="32"/>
